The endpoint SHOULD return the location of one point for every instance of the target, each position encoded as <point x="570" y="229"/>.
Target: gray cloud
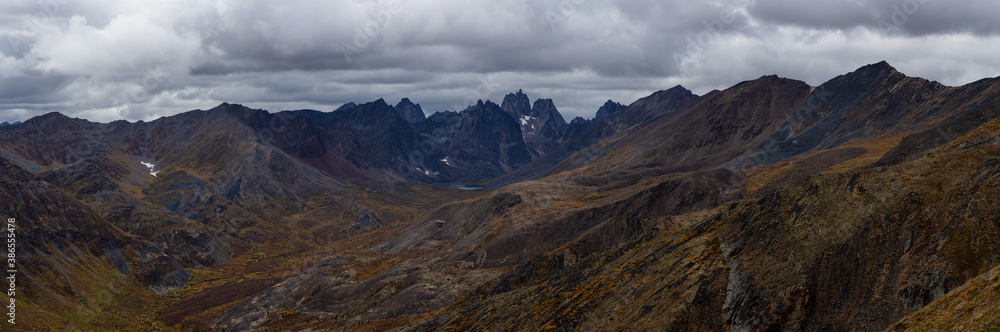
<point x="912" y="17"/>
<point x="105" y="60"/>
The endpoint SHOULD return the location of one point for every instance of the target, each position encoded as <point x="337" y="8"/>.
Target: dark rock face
<point x="375" y="136"/>
<point x="610" y="107"/>
<point x="347" y="106"/>
<point x="410" y="112"/>
<point x="541" y="124"/>
<point x="516" y="104"/>
<point x="549" y="123"/>
<point x="477" y="144"/>
<point x="659" y="103"/>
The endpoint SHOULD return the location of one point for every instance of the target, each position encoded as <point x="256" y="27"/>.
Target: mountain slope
<point x="839" y="251"/>
<point x="69" y="259"/>
<point x="873" y="100"/>
<point x="705" y="134"/>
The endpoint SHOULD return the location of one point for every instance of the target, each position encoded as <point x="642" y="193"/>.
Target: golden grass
<point x="875" y="148"/>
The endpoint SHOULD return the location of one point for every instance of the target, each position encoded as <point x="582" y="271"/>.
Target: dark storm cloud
<point x="828" y="14"/>
<point x="30" y="90"/>
<point x="913" y="17"/>
<point x="105" y="59"/>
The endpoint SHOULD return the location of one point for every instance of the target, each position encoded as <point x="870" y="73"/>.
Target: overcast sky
<point x="105" y="60"/>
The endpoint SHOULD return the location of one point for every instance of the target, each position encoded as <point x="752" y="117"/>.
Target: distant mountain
<point x="542" y="126"/>
<point x="410" y="112"/>
<point x="379" y="139"/>
<point x="610" y="107"/>
<point x="5" y="123"/>
<point x="516" y="104"/>
<point x="478" y="143"/>
<point x="584" y="141"/>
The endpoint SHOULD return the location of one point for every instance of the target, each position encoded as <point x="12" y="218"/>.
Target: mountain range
<point x="864" y="203"/>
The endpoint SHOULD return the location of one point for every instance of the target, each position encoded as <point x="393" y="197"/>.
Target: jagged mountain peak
<point x="516" y="104"/>
<point x="225" y="106"/>
<point x="543" y="106"/>
<point x="543" y="127"/>
<point x="881" y="65"/>
<point x="481" y="104"/>
<point x="346" y="106"/>
<point x="609" y="107"/>
<point x="483" y="140"/>
<point x="55" y="119"/>
<point x="654" y="105"/>
<point x="876" y="73"/>
<point x="770" y="78"/>
<point x="377" y="108"/>
<point x="49" y="116"/>
<point x="678" y="88"/>
<point x="519" y="94"/>
<point x="410" y="112"/>
<point x="250" y="116"/>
